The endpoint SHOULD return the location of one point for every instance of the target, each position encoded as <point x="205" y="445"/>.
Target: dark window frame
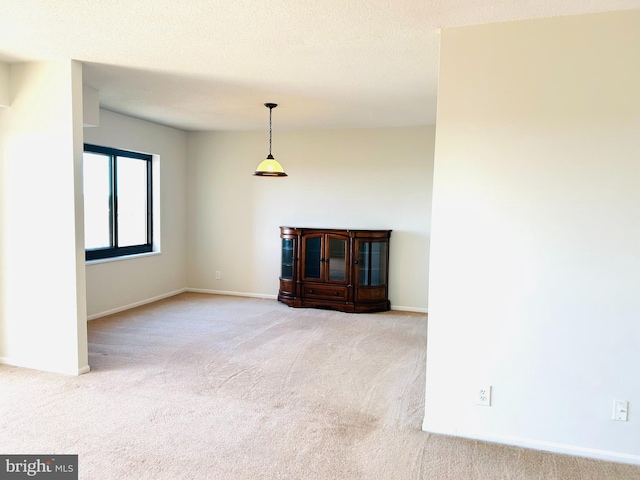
<point x="114" y="250"/>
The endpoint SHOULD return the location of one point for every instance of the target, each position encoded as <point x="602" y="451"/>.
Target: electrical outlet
<point x="483" y="396"/>
<point x="218" y="276"/>
<point x="621" y="410"/>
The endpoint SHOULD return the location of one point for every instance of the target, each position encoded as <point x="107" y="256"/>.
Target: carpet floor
<point x="215" y="387"/>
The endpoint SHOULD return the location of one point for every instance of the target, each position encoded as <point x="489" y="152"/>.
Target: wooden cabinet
<point x="346" y="270"/>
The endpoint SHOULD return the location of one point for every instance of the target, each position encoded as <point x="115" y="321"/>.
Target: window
<point x="117" y="202"/>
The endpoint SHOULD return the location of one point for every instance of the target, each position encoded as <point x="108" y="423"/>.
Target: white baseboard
<point x="275" y="297"/>
<point x="136" y="304"/>
<point x="13" y="363"/>
<point x="8" y="361"/>
<point x="543" y="445"/>
<point x="408" y="309"/>
<point x="233" y="294"/>
<point x="217" y="292"/>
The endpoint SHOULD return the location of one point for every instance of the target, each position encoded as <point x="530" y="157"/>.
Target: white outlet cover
<point x="620" y="410"/>
<point x="483" y="396"/>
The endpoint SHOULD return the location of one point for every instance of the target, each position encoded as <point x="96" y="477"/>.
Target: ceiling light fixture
<point x="270" y="167"/>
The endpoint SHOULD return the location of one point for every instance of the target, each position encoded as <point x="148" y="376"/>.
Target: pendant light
<point x="270" y="167"/>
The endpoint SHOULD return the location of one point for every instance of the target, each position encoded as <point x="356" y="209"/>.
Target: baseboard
<point x="275" y="297"/>
<point x="408" y="309"/>
<point x="9" y="361"/>
<point x="233" y="294"/>
<point x="216" y="292"/>
<point x="136" y="304"/>
<point x="553" y="447"/>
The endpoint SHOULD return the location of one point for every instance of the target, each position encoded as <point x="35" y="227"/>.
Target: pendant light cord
<point x="270" y="111"/>
<point x="270" y="106"/>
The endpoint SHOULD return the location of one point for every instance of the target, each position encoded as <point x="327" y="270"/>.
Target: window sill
<point x="123" y="257"/>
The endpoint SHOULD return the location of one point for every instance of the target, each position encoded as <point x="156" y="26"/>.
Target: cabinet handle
<point x="310" y="291"/>
<point x="337" y="294"/>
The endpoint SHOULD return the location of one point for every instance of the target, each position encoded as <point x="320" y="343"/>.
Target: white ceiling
<point x="212" y="64"/>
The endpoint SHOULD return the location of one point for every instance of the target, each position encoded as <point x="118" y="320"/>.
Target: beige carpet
<point x="215" y="387"/>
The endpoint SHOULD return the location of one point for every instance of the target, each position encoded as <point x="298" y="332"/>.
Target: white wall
<point x="535" y="257"/>
<point x="4" y="85"/>
<point x="369" y="178"/>
<point x="116" y="285"/>
<point x="90" y="106"/>
<point x="42" y="309"/>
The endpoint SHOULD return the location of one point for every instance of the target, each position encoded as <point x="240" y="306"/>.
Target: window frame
<point x="114" y="250"/>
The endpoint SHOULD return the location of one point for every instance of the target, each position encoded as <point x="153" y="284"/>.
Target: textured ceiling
<point x="212" y="64"/>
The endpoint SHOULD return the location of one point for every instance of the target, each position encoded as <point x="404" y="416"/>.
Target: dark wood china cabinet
<point x="346" y="270"/>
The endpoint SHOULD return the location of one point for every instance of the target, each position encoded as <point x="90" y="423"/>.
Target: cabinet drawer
<point x="325" y="292"/>
<point x="369" y="294"/>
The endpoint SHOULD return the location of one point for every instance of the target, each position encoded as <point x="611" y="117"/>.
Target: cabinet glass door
<point x="337" y="259"/>
<point x="287" y="259"/>
<point x="372" y="263"/>
<point x="312" y="257"/>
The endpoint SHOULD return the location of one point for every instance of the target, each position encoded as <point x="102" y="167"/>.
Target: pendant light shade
<point x="270" y="167"/>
